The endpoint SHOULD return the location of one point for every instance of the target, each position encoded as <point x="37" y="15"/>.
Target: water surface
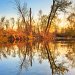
<point x="53" y="58"/>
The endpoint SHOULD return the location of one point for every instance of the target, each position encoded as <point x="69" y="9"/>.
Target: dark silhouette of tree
<point x="58" y="5"/>
<point x="56" y="69"/>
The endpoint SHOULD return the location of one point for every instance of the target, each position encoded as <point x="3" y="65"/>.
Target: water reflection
<point x="35" y="58"/>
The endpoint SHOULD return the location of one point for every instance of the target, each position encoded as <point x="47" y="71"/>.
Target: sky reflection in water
<point x="57" y="58"/>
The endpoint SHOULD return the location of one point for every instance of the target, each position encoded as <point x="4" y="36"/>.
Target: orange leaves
<point x="19" y="36"/>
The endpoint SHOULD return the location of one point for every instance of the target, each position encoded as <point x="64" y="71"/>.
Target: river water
<point x="52" y="58"/>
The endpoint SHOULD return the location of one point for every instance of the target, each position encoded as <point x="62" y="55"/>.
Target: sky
<point x="8" y="8"/>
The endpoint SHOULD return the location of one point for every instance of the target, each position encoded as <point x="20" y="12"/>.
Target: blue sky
<point x="7" y="8"/>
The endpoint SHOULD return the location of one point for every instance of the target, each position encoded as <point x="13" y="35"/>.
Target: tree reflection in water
<point x="46" y="51"/>
<point x="59" y="69"/>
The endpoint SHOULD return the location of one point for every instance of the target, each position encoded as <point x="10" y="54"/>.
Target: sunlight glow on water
<point x="54" y="58"/>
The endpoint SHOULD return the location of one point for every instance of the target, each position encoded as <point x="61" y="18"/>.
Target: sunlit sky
<point x="8" y="8"/>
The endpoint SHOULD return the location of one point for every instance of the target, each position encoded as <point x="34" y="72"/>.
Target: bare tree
<point x="7" y="24"/>
<point x="2" y="22"/>
<point x="2" y="19"/>
<point x="13" y="22"/>
<point x="22" y="10"/>
<point x="58" y="5"/>
<point x="39" y="15"/>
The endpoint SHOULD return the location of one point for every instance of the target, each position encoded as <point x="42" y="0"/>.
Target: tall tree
<point x="22" y="9"/>
<point x="58" y="5"/>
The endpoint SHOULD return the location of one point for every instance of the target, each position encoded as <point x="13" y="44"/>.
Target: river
<point x="46" y="58"/>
